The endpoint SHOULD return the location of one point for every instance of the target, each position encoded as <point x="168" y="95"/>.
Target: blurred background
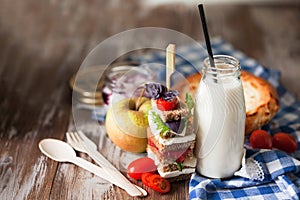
<point x="44" y="42"/>
<point x="60" y="33"/>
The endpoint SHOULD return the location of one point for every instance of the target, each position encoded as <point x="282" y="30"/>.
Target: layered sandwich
<point x="171" y="137"/>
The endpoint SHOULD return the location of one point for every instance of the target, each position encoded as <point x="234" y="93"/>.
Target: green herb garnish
<point x="189" y="102"/>
<point x="160" y="125"/>
<point x="179" y="166"/>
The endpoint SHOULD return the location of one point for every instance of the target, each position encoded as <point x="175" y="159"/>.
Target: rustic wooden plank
<point x="35" y="104"/>
<point x="72" y="182"/>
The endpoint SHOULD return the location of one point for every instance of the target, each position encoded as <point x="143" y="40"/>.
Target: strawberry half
<point x="165" y="105"/>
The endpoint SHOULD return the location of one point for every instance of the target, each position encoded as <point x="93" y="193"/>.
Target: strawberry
<point x="165" y="105"/>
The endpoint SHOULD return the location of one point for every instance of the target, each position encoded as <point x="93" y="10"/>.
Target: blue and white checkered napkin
<point x="281" y="180"/>
<point x="282" y="176"/>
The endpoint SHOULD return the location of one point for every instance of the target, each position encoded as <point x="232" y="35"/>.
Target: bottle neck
<point x="226" y="68"/>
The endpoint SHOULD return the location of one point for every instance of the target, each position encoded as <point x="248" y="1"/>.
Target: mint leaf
<point x="189" y="101"/>
<point x="179" y="166"/>
<point x="160" y="125"/>
<point x="190" y="104"/>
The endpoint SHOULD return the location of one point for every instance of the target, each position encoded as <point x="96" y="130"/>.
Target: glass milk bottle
<point x="220" y="117"/>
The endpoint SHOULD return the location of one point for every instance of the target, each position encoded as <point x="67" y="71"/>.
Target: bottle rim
<point x="224" y="64"/>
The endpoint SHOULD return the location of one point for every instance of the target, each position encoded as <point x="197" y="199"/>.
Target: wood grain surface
<point x="44" y="42"/>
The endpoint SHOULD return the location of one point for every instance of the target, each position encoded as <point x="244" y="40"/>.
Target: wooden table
<point x="44" y="43"/>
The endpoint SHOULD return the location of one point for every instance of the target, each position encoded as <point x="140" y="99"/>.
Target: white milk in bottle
<point x="220" y="117"/>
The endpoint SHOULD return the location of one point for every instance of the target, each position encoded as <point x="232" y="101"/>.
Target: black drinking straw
<point x="206" y="35"/>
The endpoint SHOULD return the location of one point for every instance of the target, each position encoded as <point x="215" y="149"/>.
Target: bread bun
<point x="261" y="99"/>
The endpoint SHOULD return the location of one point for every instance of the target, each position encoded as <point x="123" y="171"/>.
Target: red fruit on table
<point x="146" y="178"/>
<point x="139" y="166"/>
<point x="156" y="182"/>
<point x="159" y="184"/>
<point x="261" y="139"/>
<point x="166" y="104"/>
<point x="285" y="142"/>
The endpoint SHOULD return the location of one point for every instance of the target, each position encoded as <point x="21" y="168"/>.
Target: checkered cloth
<point x="281" y="180"/>
<point x="282" y="171"/>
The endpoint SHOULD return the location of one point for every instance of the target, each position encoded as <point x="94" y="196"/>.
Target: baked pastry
<point x="171" y="136"/>
<point x="261" y="99"/>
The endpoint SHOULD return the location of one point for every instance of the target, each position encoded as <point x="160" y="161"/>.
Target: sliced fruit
<point x="146" y="178"/>
<point x="159" y="184"/>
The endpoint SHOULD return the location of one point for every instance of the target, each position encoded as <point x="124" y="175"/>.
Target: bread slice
<point x="181" y="112"/>
<point x="170" y="170"/>
<point x="169" y="153"/>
